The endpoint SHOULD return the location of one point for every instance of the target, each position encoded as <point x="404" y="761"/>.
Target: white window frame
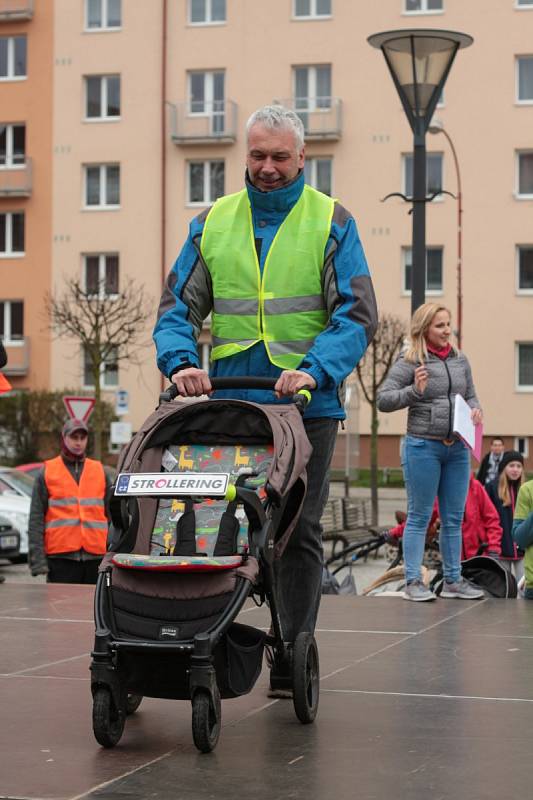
<point x="313" y="12"/>
<point x="10" y="164"/>
<point x="312" y="162"/>
<point x="102" y="274"/>
<point x="9" y="252"/>
<point x="102" y="205"/>
<point x="11" y="59"/>
<point x="516" y="445"/>
<point x="519" y="290"/>
<point x="311" y="88"/>
<point x="429" y="292"/>
<point x="204" y="355"/>
<point x="423" y="10"/>
<point x="518" y="196"/>
<point x="207" y="162"/>
<point x="440" y="197"/>
<point x="105" y="16"/>
<point x="518" y="101"/>
<point x="519" y="387"/>
<point x="209" y="14"/>
<point x="6" y="333"/>
<point x="105" y="117"/>
<point x="524" y="6"/>
<point x="103" y="385"/>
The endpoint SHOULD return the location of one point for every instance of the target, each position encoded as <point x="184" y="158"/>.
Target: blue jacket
<point x="348" y="293"/>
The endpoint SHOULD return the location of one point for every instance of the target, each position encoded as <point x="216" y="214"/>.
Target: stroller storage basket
<point x="238" y="659"/>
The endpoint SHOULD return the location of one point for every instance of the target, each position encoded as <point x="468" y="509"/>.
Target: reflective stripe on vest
<point x="284" y="307"/>
<point x="75" y="518"/>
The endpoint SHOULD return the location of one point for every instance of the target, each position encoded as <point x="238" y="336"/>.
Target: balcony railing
<point x="321" y="116"/>
<point x="13" y="10"/>
<point x="16" y="181"/>
<point x="18" y="357"/>
<point x="195" y="122"/>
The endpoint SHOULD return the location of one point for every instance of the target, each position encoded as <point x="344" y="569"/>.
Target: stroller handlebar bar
<point x="300" y="399"/>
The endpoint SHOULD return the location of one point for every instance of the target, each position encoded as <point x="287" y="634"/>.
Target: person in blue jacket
<point x="318" y="279"/>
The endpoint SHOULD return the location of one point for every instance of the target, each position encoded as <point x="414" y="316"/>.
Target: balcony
<point x="15" y="10"/>
<point x="212" y="123"/>
<point x="16" y="180"/>
<point x="321" y="117"/>
<point x="18" y="357"/>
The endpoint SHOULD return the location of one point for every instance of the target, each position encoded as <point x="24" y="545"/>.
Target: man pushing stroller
<point x="281" y="269"/>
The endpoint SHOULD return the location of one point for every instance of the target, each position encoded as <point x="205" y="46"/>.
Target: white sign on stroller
<point x="211" y="484"/>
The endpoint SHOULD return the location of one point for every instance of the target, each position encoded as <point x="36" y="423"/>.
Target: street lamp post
<point x="437" y="127"/>
<point x="419" y="61"/>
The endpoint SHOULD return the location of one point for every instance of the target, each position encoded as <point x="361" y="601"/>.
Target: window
<point x="100" y="271"/>
<point x="103" y="14"/>
<point x="311" y="9"/>
<point x="206" y="97"/>
<point x="433" y="174"/>
<point x="206" y="181"/>
<point x="525" y="174"/>
<point x="524" y="353"/>
<point x="521" y="444"/>
<point x="207" y="12"/>
<point x="433" y="269"/>
<point x="204" y="355"/>
<point x="524" y="3"/>
<point x="108" y="371"/>
<point x="312" y="88"/>
<point x="318" y="173"/>
<point x="12" y="145"/>
<point x="525" y="268"/>
<point x="423" y="6"/>
<point x="102" y="96"/>
<point x="524" y="79"/>
<point x="102" y="186"/>
<point x="11" y="234"/>
<point x="11" y="321"/>
<point x="12" y="57"/>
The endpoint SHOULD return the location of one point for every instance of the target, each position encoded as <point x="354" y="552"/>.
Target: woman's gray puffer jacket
<point x="431" y="413"/>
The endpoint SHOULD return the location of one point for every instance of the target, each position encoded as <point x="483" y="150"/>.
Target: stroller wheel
<point x="133" y="701"/>
<point x="206" y="720"/>
<point x="108" y="721"/>
<point x="305" y="677"/>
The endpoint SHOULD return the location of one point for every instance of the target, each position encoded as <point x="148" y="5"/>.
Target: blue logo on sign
<point x="123" y="484"/>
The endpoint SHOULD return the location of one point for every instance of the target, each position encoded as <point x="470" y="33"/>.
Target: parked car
<point x="13" y="480"/>
<point x="31" y="469"/>
<point x="9" y="540"/>
<point x="15" y="499"/>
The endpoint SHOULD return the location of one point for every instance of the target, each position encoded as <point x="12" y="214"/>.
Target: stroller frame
<point x="116" y="692"/>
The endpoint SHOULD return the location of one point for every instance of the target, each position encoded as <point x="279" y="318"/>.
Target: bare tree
<point x="111" y="328"/>
<point x="371" y="372"/>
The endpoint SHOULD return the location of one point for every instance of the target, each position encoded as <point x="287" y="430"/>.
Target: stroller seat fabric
<point x="176" y="563"/>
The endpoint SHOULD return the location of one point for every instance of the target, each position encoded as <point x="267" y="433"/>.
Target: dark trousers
<point x="299" y="571"/>
<point x="67" y="570"/>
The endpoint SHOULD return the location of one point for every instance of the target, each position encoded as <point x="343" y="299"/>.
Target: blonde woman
<point x="503" y="491"/>
<point x="425" y="379"/>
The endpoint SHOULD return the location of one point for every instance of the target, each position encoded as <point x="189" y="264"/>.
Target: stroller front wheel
<point x="108" y="721"/>
<point x="305" y="677"/>
<point x="133" y="701"/>
<point x="206" y="720"/>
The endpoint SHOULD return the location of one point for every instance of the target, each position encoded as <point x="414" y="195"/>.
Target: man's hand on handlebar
<point x="291" y="381"/>
<point x="192" y="382"/>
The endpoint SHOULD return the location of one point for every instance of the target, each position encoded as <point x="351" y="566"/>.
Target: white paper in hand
<point x="462" y="422"/>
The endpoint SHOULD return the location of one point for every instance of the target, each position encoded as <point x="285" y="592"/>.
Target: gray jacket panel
<point x="430" y="414"/>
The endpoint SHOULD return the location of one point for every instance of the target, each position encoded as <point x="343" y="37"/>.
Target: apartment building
<point x="149" y="106"/>
<point x="26" y="52"/>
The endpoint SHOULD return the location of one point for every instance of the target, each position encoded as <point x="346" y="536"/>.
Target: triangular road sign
<point x="79" y="407"/>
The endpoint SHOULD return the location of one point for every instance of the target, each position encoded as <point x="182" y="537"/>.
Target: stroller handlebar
<point x="300" y="399"/>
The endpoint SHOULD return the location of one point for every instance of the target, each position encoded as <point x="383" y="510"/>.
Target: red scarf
<point x="440" y="352"/>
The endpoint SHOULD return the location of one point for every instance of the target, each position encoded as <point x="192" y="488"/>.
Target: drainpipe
<point x="163" y="150"/>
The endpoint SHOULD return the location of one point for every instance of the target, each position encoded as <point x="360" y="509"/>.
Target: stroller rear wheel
<point x="133" y="701"/>
<point x="108" y="721"/>
<point x="206" y="720"/>
<point x="305" y="677"/>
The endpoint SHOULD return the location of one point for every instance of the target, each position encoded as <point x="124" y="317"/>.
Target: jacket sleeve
<point x="523" y="517"/>
<point x="398" y="390"/>
<point x="350" y="302"/>
<point x="38" y="508"/>
<point x="491" y="520"/>
<point x="185" y="303"/>
<point x="3" y="355"/>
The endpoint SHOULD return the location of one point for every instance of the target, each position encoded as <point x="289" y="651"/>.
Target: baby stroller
<point x="206" y="498"/>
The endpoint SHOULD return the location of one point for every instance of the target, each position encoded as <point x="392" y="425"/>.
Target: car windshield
<point x="20" y="482"/>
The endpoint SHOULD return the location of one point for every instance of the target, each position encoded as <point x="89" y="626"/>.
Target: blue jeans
<point x="432" y="469"/>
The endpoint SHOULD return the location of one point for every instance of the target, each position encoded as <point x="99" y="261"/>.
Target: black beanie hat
<point x="508" y="456"/>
